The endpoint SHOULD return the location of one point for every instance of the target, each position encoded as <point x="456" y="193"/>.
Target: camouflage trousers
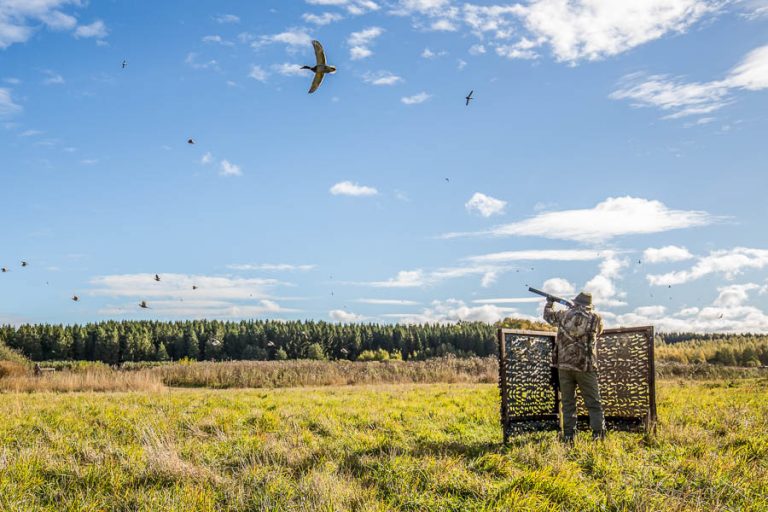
<point x="587" y="383"/>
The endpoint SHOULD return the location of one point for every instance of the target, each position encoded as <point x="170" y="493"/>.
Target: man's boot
<point x="598" y="435"/>
<point x="568" y="438"/>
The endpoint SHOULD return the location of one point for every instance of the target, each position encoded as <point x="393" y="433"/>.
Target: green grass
<point x="390" y="447"/>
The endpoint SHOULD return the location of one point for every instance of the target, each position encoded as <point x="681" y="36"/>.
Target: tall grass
<point x="279" y="374"/>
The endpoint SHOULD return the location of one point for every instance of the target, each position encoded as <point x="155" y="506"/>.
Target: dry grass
<point x="282" y="374"/>
<point x="94" y="380"/>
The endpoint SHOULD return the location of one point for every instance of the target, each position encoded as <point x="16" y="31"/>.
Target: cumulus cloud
<point x="382" y="78"/>
<point x="616" y="216"/>
<point x="353" y="7"/>
<point x="681" y="98"/>
<point x="360" y="42"/>
<point x="292" y="38"/>
<point x="347" y="188"/>
<point x="97" y="30"/>
<point x="20" y="19"/>
<point x="666" y="254"/>
<point x="453" y="310"/>
<point x="603" y="287"/>
<point x="7" y="105"/>
<point x="227" y="18"/>
<point x="485" y="205"/>
<point x="322" y="19"/>
<point x="339" y="315"/>
<point x="404" y="279"/>
<point x="558" y="286"/>
<point x="192" y="61"/>
<point x="229" y="169"/>
<point x="729" y="262"/>
<point x="416" y="98"/>
<point x="53" y="78"/>
<point x="509" y="300"/>
<point x="217" y="39"/>
<point x="258" y="73"/>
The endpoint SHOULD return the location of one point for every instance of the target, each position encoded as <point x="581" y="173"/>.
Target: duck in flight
<point x="143" y="305"/>
<point x="469" y="97"/>
<point x="320" y="69"/>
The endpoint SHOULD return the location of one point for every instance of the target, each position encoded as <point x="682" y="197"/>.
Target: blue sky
<point x="617" y="147"/>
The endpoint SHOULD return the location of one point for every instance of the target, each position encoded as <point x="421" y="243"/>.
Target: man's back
<point x="577" y="331"/>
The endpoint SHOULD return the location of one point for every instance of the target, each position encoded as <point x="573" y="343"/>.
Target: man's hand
<point x="550" y="301"/>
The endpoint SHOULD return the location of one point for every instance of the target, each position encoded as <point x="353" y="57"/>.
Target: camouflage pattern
<point x="590" y="392"/>
<point x="577" y="331"/>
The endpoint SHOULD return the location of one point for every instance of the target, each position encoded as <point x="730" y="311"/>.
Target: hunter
<point x="575" y="357"/>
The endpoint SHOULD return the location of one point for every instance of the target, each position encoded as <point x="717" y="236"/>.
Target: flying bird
<point x="469" y="97"/>
<point x="75" y="298"/>
<point x="24" y="264"/>
<point x="125" y="63"/>
<point x="191" y="141"/>
<point x="194" y="287"/>
<point x="4" y="270"/>
<point x="320" y="69"/>
<point x="157" y="278"/>
<point x="143" y="305"/>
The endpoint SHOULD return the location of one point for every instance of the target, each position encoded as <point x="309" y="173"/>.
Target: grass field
<point x="389" y="447"/>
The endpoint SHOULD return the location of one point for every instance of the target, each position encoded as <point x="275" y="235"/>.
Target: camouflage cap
<point x="584" y="299"/>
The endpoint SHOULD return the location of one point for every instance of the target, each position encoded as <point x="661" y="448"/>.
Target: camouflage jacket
<point x="577" y="331"/>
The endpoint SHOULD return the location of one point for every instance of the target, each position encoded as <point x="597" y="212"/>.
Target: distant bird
<point x="721" y="315"/>
<point x="75" y="298"/>
<point x="143" y="305"/>
<point x="669" y="286"/>
<point x="191" y="141"/>
<point x="4" y="270"/>
<point x="194" y="287"/>
<point x="125" y="63"/>
<point x="447" y="180"/>
<point x="639" y="262"/>
<point x="24" y="264"/>
<point x="320" y="69"/>
<point x="157" y="278"/>
<point x="469" y="97"/>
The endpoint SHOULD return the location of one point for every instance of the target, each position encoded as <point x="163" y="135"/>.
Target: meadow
<point x="372" y="447"/>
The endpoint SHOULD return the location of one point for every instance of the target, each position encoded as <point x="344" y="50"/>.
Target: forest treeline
<point x="204" y="340"/>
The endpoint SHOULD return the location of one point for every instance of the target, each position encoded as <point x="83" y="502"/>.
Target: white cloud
<point x="53" y="78"/>
<point x="616" y="216"/>
<point x="339" y="315"/>
<point x="288" y="69"/>
<point x="443" y="25"/>
<point x="603" y="287"/>
<point x="681" y="98"/>
<point x="523" y="49"/>
<point x="258" y="73"/>
<point x="31" y="133"/>
<point x="388" y="302"/>
<point x="416" y="98"/>
<point x="538" y="255"/>
<point x="353" y="7"/>
<point x="381" y="78"/>
<point x="347" y="188"/>
<point x="229" y="169"/>
<point x="453" y="310"/>
<point x="322" y="19"/>
<point x="509" y="300"/>
<point x="7" y="105"/>
<point x="207" y="158"/>
<point x="558" y="286"/>
<point x="461" y="64"/>
<point x="19" y="19"/>
<point x="191" y="61"/>
<point x="404" y="279"/>
<point x="292" y="38"/>
<point x="595" y="29"/>
<point x="227" y="18"/>
<point x="476" y="49"/>
<point x="359" y="42"/>
<point x="730" y="263"/>
<point x="485" y="205"/>
<point x="96" y="29"/>
<point x="275" y="267"/>
<point x="666" y="254"/>
<point x="217" y="39"/>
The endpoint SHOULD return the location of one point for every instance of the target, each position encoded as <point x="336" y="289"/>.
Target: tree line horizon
<point x="115" y="342"/>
